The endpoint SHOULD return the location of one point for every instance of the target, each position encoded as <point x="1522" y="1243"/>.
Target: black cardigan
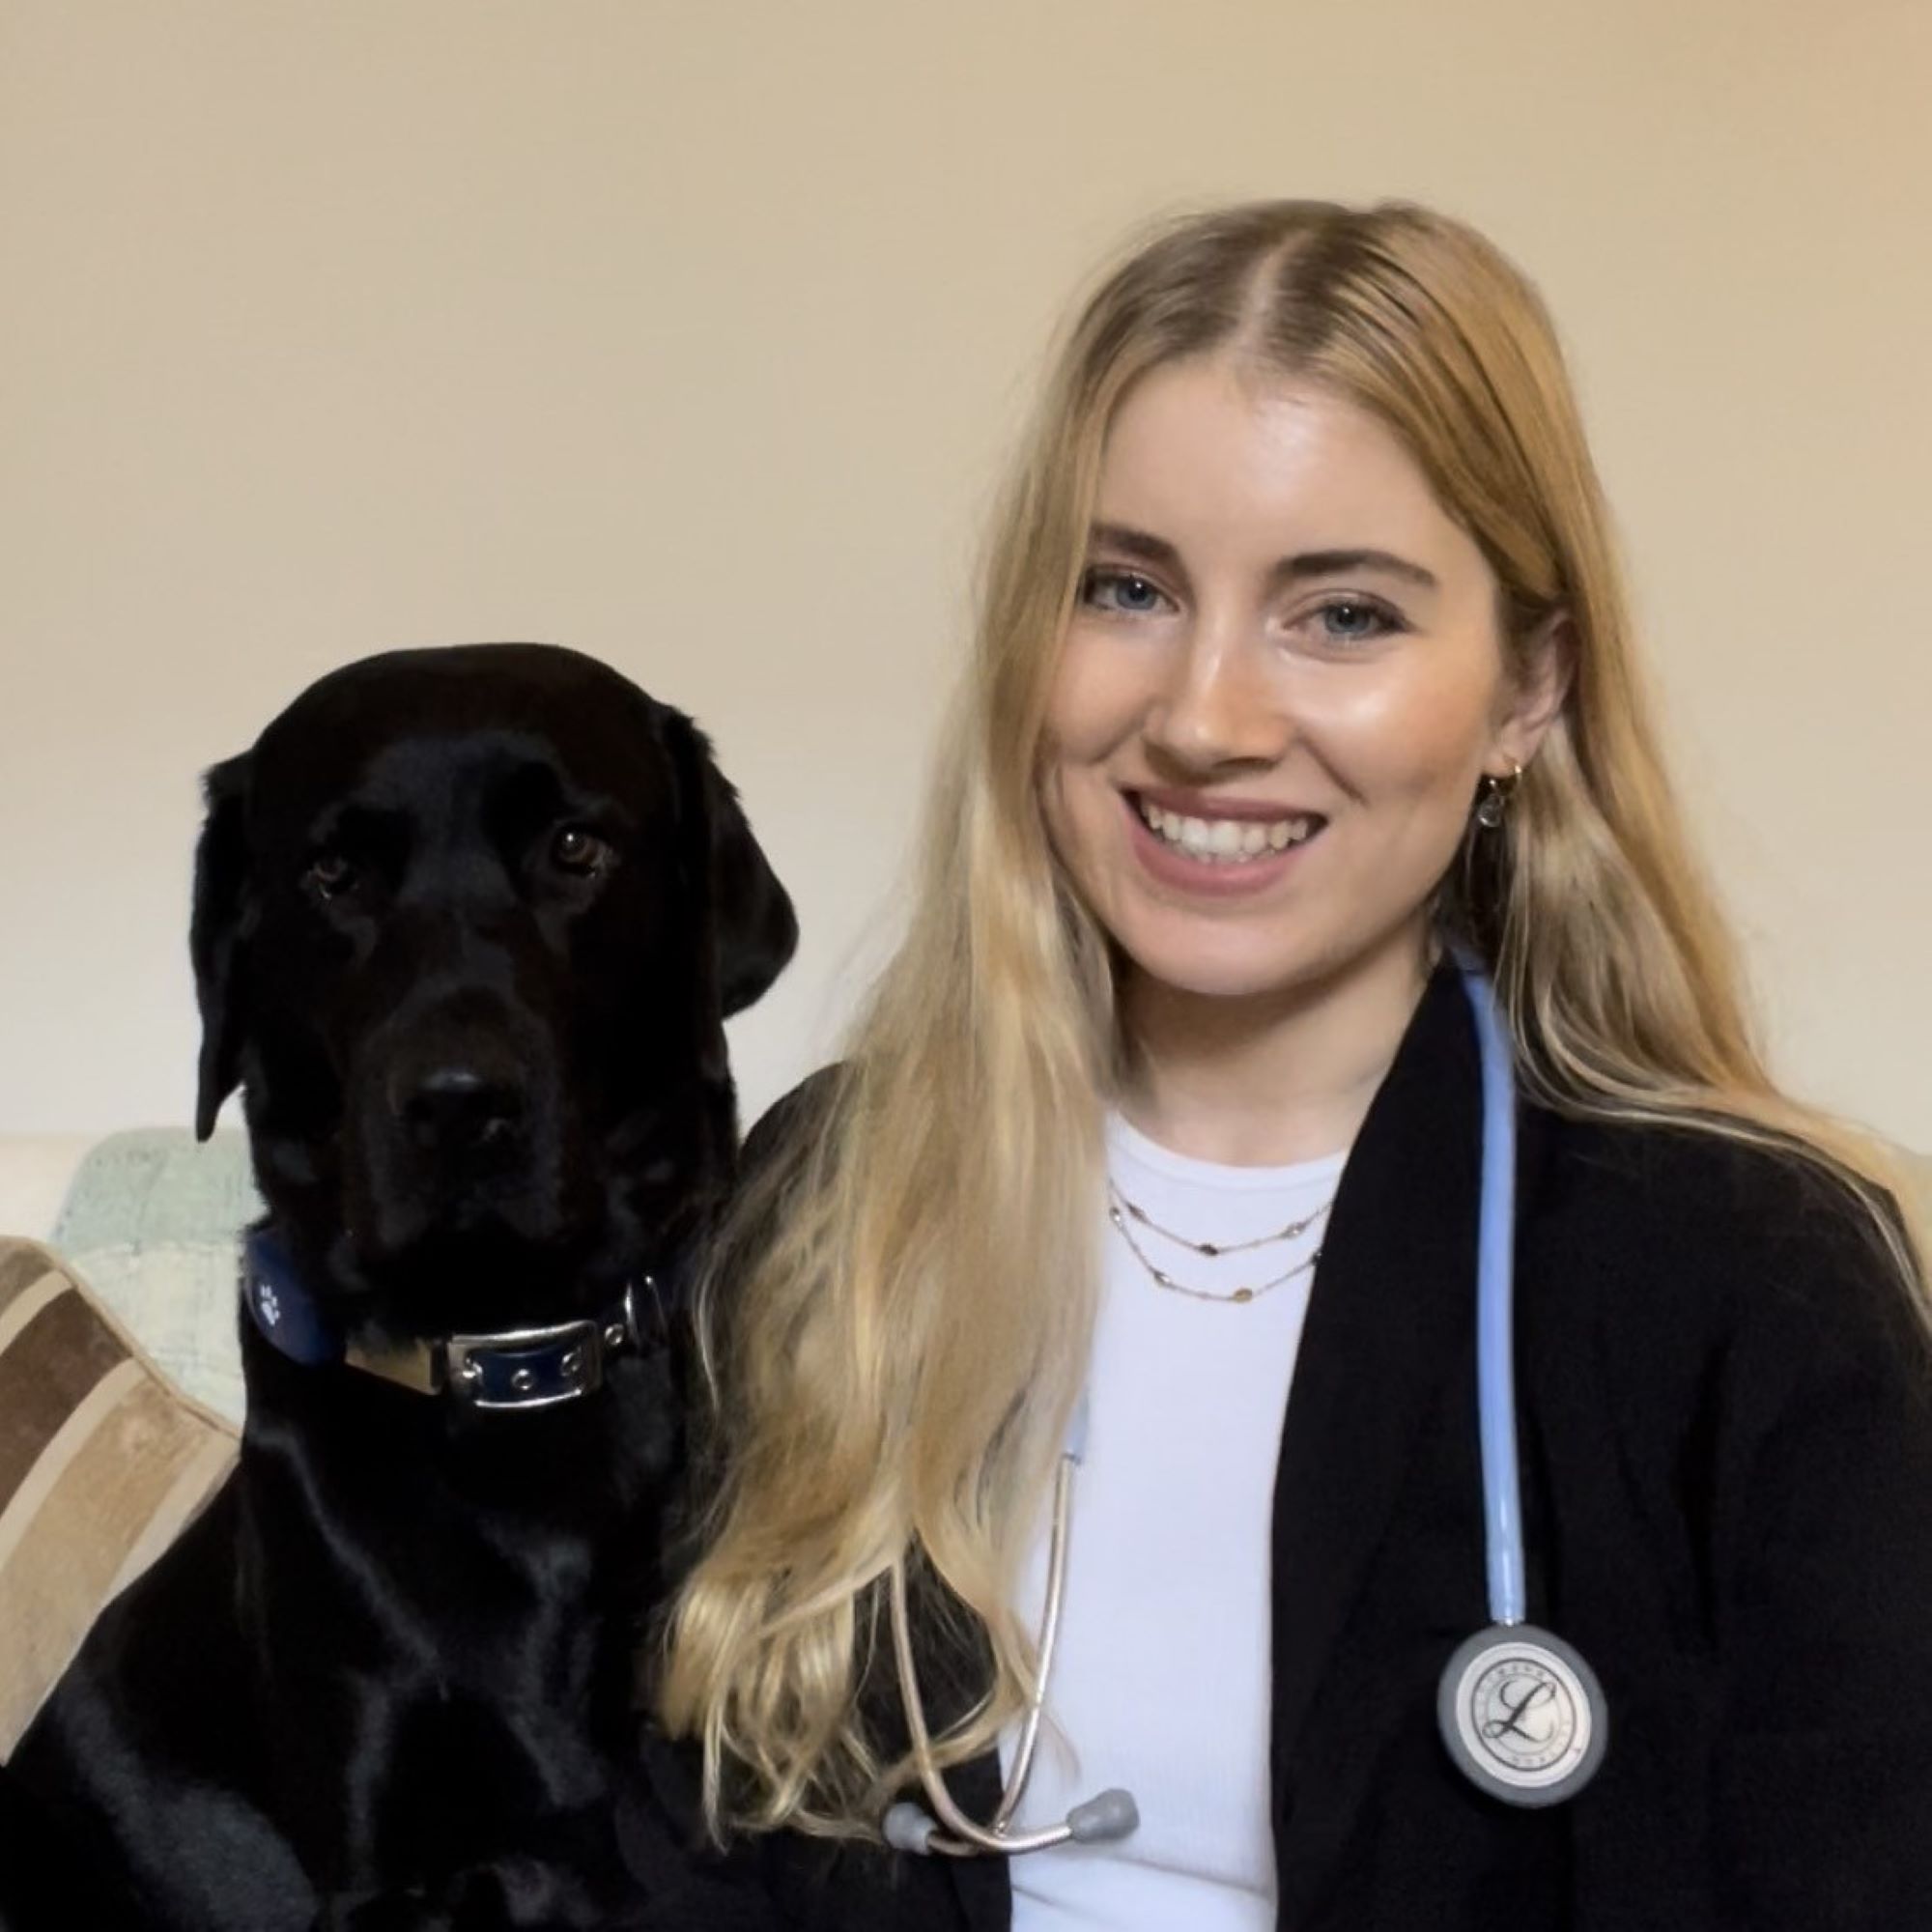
<point x="1726" y="1412"/>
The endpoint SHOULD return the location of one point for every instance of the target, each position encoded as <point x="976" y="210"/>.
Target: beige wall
<point x="690" y="333"/>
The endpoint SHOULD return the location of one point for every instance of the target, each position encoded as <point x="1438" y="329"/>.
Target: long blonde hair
<point x="897" y="1318"/>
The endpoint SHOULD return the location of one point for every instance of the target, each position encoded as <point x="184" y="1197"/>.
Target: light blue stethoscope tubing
<point x="1495" y="1303"/>
<point x="1520" y="1712"/>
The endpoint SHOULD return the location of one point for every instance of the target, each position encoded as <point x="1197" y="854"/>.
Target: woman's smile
<point x="1220" y="849"/>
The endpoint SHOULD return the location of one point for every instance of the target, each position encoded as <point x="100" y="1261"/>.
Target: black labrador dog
<point x="468" y="923"/>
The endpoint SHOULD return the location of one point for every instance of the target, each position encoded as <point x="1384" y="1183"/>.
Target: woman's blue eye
<point x="1120" y="590"/>
<point x="1353" y="621"/>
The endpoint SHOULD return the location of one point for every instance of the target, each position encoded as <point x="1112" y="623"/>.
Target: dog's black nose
<point x="458" y="1109"/>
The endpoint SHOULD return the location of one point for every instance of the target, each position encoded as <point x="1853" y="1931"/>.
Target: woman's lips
<point x="1222" y="862"/>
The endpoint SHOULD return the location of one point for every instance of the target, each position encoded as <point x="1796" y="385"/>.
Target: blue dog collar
<point x="285" y="1313"/>
<point x="517" y="1368"/>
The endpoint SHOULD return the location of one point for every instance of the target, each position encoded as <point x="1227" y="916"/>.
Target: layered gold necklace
<point x="1127" y="1215"/>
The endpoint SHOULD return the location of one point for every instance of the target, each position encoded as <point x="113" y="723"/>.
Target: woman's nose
<point x="1220" y="706"/>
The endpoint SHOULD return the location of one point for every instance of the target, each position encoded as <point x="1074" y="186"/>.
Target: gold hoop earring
<point x="1492" y="802"/>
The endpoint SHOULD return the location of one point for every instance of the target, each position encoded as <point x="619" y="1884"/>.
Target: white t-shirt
<point x="1161" y="1679"/>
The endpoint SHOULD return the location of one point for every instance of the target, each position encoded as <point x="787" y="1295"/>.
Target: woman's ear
<point x="1534" y="699"/>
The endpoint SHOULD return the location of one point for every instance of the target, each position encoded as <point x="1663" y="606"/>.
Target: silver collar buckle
<point x="526" y="1367"/>
<point x="518" y="1368"/>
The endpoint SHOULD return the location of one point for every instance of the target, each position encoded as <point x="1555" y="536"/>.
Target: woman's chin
<point x="1223" y="972"/>
<point x="1198" y="960"/>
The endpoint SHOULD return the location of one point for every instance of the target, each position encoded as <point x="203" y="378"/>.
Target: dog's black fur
<point x="467" y="926"/>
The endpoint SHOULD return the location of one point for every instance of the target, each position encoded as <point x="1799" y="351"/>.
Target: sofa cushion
<point x="152" y="1224"/>
<point x="102" y="1464"/>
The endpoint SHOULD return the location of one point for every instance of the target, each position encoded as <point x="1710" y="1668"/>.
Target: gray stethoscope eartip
<point x="908" y="1828"/>
<point x="1113" y="1814"/>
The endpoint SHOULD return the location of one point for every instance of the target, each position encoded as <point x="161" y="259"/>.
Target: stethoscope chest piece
<point x="1522" y="1714"/>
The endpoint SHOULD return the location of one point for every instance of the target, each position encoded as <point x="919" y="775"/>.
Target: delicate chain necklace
<point x="1117" y="1202"/>
<point x="1212" y="1248"/>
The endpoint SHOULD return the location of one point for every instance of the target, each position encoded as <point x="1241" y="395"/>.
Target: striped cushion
<point x="102" y="1464"/>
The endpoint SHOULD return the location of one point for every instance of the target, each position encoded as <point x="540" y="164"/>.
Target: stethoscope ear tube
<point x="1520" y="1712"/>
<point x="906" y="1827"/>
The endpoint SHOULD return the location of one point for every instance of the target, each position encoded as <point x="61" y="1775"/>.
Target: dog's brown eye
<point x="330" y="875"/>
<point x="579" y="852"/>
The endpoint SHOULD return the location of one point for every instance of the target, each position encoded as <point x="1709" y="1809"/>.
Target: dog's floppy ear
<point x="215" y="936"/>
<point x="754" y="930"/>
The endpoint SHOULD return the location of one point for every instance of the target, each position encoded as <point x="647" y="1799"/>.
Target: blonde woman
<point x="1304" y="683"/>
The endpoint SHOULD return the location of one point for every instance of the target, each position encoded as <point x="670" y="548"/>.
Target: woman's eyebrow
<point x="1345" y="562"/>
<point x="1130" y="542"/>
<point x="1124" y="540"/>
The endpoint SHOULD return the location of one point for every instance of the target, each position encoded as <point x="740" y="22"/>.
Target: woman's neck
<point x="1274" y="1079"/>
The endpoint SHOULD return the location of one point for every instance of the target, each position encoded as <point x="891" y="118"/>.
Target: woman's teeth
<point x="1225" y="841"/>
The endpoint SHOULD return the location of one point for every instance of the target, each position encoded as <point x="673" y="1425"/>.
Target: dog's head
<point x="468" y="923"/>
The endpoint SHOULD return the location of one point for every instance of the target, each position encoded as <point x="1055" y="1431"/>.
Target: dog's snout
<point x="453" y="1127"/>
<point x="457" y="1107"/>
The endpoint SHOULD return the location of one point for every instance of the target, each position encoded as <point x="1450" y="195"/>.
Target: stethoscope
<point x="1520" y="1712"/>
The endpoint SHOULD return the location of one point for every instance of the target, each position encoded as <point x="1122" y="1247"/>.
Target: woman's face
<point x="1282" y="685"/>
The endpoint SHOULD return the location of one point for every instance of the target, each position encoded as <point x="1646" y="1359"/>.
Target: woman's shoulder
<point x="1699" y="1224"/>
<point x="795" y="1112"/>
<point x="1699" y="1170"/>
